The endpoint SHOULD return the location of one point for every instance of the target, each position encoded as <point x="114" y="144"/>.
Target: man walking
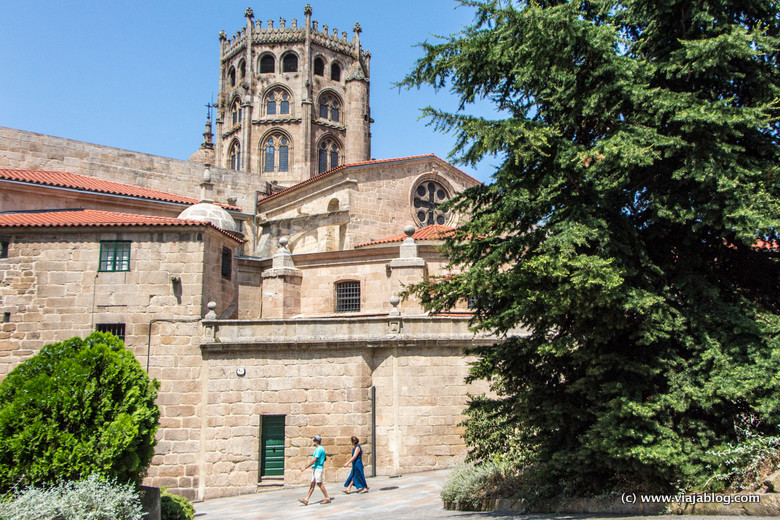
<point x="317" y="463"/>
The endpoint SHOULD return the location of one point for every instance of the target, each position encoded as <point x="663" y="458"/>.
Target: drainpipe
<point x="373" y="431"/>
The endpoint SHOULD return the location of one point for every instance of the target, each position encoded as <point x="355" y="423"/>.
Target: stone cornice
<point x="277" y="121"/>
<point x="232" y="131"/>
<point x="329" y="124"/>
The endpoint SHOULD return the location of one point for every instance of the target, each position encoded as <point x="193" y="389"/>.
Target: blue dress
<point x="356" y="476"/>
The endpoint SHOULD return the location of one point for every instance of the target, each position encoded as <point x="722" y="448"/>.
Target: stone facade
<point x="307" y="328"/>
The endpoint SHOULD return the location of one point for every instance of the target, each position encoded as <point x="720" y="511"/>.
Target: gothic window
<point x="335" y="72"/>
<point x="277" y="102"/>
<point x="427" y="197"/>
<point x="290" y="63"/>
<point x="277" y="153"/>
<point x="348" y="296"/>
<point x="319" y="67"/>
<point x="329" y="107"/>
<point x="267" y="64"/>
<point x="242" y="69"/>
<point x="235" y="156"/>
<point x="327" y="155"/>
<point x="232" y="76"/>
<point x="236" y="112"/>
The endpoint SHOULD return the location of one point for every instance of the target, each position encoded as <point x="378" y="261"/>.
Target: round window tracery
<point x="427" y="198"/>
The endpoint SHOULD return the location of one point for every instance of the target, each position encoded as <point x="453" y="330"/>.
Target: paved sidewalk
<point x="413" y="497"/>
<point x="408" y="496"/>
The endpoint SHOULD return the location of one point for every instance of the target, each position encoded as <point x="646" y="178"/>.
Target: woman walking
<point x="356" y="476"/>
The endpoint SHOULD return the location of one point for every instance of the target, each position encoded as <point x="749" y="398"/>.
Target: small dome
<point x="206" y="212"/>
<point x="203" y="156"/>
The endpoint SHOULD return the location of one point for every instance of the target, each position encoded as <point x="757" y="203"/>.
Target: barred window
<point x="114" y="255"/>
<point x="117" y="329"/>
<point x="4" y="248"/>
<point x="348" y="297"/>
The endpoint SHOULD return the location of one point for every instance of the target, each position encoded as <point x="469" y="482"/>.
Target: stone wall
<point x="325" y="389"/>
<point x="52" y="290"/>
<point x="28" y="150"/>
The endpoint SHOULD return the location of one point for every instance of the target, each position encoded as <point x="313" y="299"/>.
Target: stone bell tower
<point x="293" y="101"/>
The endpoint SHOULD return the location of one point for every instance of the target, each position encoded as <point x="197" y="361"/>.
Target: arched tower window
<point x="335" y="72"/>
<point x="242" y="69"/>
<point x="290" y="63"/>
<point x="232" y="76"/>
<point x="267" y="64"/>
<point x="319" y="67"/>
<point x="235" y="155"/>
<point x="327" y="155"/>
<point x="277" y="102"/>
<point x="330" y="107"/>
<point x="236" y="112"/>
<point x="276" y="156"/>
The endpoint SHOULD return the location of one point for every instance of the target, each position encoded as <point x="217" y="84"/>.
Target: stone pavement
<point x="408" y="496"/>
<point x="414" y="496"/>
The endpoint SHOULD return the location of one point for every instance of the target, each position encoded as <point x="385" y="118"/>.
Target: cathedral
<point x="260" y="280"/>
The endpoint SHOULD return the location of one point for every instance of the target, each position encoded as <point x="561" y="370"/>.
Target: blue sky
<point x="136" y="75"/>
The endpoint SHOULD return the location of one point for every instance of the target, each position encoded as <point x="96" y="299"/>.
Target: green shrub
<point x="92" y="499"/>
<point x="744" y="465"/>
<point x="76" y="408"/>
<point x="174" y="507"/>
<point x="470" y="484"/>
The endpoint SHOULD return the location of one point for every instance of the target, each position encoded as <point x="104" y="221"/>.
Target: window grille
<point x="348" y="297"/>
<point x="114" y="255"/>
<point x="117" y="329"/>
<point x="4" y="249"/>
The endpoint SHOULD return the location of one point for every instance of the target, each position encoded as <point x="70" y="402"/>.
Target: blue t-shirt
<point x="319" y="454"/>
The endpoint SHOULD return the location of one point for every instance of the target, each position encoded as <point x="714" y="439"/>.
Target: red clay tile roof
<point x="347" y="166"/>
<point x="434" y="232"/>
<point x="94" y="218"/>
<point x="83" y="182"/>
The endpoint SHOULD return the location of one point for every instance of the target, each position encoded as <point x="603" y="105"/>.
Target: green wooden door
<point x="272" y="446"/>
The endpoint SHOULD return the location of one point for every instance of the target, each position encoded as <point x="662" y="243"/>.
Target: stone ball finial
<point x="283" y="242"/>
<point x="249" y="13"/>
<point x="206" y="174"/>
<point x="394" y="301"/>
<point x="357" y="28"/>
<point x="222" y="35"/>
<point x="211" y="315"/>
<point x="409" y="230"/>
<point x="307" y="9"/>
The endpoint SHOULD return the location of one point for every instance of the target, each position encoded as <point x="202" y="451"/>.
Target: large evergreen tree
<point x="629" y="228"/>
